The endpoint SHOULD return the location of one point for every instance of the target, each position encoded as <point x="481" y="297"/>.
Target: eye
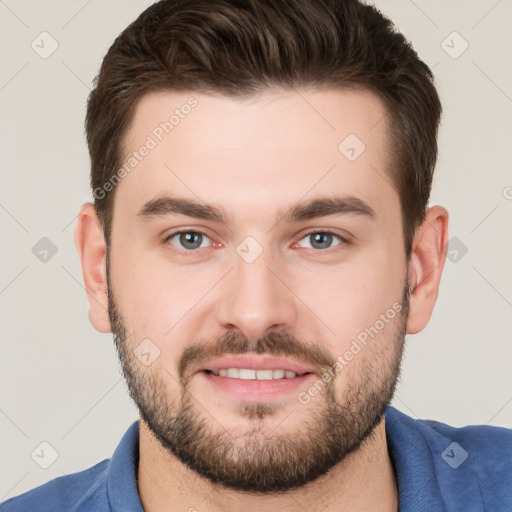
<point x="321" y="240"/>
<point x="188" y="239"/>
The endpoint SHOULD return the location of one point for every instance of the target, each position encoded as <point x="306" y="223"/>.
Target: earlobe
<point x="426" y="265"/>
<point x="91" y="247"/>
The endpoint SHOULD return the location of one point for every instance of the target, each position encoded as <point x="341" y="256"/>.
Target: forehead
<point x="259" y="153"/>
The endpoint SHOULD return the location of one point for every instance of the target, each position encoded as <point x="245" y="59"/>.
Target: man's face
<point x="311" y="288"/>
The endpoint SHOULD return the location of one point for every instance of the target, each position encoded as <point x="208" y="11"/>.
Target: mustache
<point x="274" y="344"/>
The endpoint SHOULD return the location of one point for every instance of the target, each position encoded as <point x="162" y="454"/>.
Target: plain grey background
<point x="61" y="383"/>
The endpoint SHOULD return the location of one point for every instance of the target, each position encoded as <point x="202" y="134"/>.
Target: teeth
<point x="247" y="374"/>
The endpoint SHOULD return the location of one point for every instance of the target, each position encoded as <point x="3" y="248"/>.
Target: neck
<point x="364" y="480"/>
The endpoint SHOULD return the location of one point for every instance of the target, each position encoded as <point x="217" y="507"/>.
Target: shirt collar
<point x="122" y="489"/>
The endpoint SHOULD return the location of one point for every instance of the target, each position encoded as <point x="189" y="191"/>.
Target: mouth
<point x="256" y="367"/>
<point x="253" y="374"/>
<point x="253" y="377"/>
<point x="249" y="385"/>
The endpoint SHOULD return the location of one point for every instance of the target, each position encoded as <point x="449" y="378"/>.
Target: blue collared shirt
<point x="438" y="468"/>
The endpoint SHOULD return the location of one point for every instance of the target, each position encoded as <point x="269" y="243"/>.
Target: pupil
<point x="321" y="240"/>
<point x="187" y="239"/>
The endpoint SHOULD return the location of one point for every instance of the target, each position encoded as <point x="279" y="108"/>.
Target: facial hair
<point x="254" y="461"/>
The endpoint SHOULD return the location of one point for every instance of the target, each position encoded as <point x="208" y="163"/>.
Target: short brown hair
<point x="241" y="48"/>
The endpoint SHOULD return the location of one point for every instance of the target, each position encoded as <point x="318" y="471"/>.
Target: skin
<point x="255" y="157"/>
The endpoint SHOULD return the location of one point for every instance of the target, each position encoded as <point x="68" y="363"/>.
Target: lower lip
<point x="257" y="389"/>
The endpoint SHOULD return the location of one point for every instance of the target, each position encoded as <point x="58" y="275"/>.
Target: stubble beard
<point x="259" y="461"/>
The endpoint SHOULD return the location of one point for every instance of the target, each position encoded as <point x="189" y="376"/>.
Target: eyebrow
<point x="319" y="207"/>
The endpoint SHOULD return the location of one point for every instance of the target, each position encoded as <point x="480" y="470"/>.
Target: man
<point x="260" y="245"/>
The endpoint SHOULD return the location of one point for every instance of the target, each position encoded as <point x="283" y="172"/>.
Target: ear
<point x="426" y="266"/>
<point x="92" y="249"/>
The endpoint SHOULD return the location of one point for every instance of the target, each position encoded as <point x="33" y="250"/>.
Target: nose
<point x="257" y="299"/>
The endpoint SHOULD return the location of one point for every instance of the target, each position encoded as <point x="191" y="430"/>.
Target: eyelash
<point x="193" y="252"/>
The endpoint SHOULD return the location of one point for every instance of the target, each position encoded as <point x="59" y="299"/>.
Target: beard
<point x="256" y="461"/>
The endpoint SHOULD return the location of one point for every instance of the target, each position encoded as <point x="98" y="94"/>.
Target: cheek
<point x="363" y="310"/>
<point x="350" y="298"/>
<point x="158" y="299"/>
<point x="142" y="295"/>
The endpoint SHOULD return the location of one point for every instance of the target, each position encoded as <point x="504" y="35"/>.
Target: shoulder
<point x="486" y="449"/>
<point x="109" y="481"/>
<point x="484" y="444"/>
<point x="466" y="464"/>
<point x="84" y="490"/>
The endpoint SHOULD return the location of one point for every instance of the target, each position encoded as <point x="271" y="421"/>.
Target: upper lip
<point x="252" y="362"/>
